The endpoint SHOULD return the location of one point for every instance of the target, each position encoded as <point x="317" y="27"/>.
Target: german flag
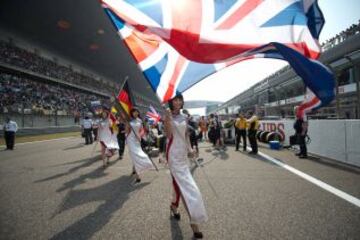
<point x="125" y="98"/>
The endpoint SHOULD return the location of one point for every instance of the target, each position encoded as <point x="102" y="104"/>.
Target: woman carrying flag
<point x="184" y="185"/>
<point x="107" y="138"/>
<point x="134" y="129"/>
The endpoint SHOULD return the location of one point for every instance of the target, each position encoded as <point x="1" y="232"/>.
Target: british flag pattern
<point x="177" y="43"/>
<point x="152" y="115"/>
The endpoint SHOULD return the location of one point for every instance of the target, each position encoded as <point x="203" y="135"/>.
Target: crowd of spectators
<point x="23" y="95"/>
<point x="338" y="38"/>
<point x="31" y="61"/>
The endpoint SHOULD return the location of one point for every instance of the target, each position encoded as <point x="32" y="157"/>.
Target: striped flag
<point x="126" y="102"/>
<point x="152" y="115"/>
<point x="177" y="43"/>
<point x="125" y="98"/>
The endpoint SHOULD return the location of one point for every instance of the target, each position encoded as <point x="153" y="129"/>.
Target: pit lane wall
<point x="335" y="139"/>
<point x="43" y="130"/>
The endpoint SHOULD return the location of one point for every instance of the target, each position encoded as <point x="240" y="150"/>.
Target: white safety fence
<point x="335" y="139"/>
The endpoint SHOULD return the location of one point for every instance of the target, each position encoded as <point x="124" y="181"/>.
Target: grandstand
<point x="49" y="75"/>
<point x="280" y="92"/>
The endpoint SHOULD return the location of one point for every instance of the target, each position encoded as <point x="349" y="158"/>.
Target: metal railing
<point x="32" y="120"/>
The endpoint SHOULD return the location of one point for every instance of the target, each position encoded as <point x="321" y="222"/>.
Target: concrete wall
<point x="38" y="121"/>
<point x="36" y="124"/>
<point x="44" y="130"/>
<point x="352" y="143"/>
<point x="334" y="139"/>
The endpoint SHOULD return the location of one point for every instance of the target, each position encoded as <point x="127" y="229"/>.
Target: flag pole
<point x="122" y="110"/>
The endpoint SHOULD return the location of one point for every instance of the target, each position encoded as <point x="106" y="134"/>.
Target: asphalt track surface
<point x="57" y="190"/>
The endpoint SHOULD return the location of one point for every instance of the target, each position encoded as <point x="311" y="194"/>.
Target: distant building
<point x="279" y="93"/>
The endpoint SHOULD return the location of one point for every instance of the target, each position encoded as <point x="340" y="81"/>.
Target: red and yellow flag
<point x="125" y="99"/>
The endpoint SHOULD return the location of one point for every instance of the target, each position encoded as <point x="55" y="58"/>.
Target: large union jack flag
<point x="177" y="43"/>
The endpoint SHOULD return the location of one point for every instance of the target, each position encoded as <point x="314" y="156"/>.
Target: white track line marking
<point x="55" y="139"/>
<point x="315" y="181"/>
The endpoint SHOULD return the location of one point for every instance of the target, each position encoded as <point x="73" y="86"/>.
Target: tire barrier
<point x="258" y="135"/>
<point x="263" y="136"/>
<point x="229" y="136"/>
<point x="272" y="136"/>
<point x="229" y="133"/>
<point x="266" y="137"/>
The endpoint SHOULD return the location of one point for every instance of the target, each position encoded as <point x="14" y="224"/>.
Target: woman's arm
<point x="127" y="128"/>
<point x="167" y="124"/>
<point x="187" y="140"/>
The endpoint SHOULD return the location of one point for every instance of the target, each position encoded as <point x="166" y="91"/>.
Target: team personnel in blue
<point x="10" y="128"/>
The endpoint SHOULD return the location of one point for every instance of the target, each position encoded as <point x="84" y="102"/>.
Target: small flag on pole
<point x="125" y="98"/>
<point x="152" y="115"/>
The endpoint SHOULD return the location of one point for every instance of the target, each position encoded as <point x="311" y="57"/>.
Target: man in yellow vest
<point x="253" y="127"/>
<point x="240" y="131"/>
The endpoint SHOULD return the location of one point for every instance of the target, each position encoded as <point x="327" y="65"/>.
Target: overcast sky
<point x="339" y="15"/>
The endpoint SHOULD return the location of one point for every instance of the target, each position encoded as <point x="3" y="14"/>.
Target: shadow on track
<point x="176" y="233"/>
<point x="74" y="162"/>
<point x="114" y="194"/>
<point x="333" y="164"/>
<point x="87" y="162"/>
<point x="97" y="173"/>
<point x="80" y="145"/>
<point x="221" y="154"/>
